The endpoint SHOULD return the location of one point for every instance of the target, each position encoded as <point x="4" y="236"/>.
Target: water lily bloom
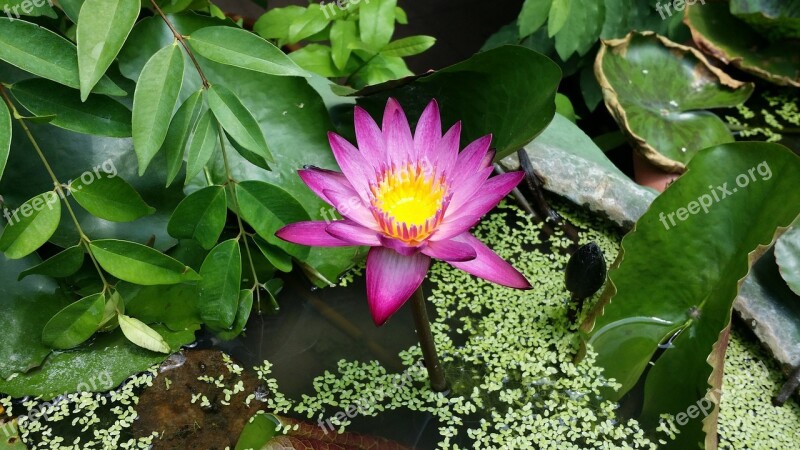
<point x="411" y="198"/>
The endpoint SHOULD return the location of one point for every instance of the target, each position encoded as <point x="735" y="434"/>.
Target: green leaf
<point x="41" y="52"/>
<point x="242" y="314"/>
<point x="241" y="48"/>
<point x="275" y="23"/>
<point x="71" y="8"/>
<point x="200" y="216"/>
<point x="663" y="293"/>
<point x="5" y="137"/>
<point x="154" y="102"/>
<point x="343" y="33"/>
<point x="74" y="324"/>
<point x="277" y="257"/>
<point x="383" y="68"/>
<point x="581" y="29"/>
<point x="718" y="32"/>
<point x="238" y="121"/>
<point x="98" y="115"/>
<point x="533" y="15"/>
<point x="252" y="158"/>
<point x="401" y="16"/>
<point x="103" y="26"/>
<point x="203" y="142"/>
<point x="258" y="431"/>
<point x="492" y="92"/>
<point x="140" y="264"/>
<point x="180" y="129"/>
<point x="31" y="225"/>
<point x="16" y="8"/>
<point x="564" y="107"/>
<point x="109" y="359"/>
<point x="776" y="19"/>
<point x="60" y="265"/>
<point x="219" y="288"/>
<point x="307" y="24"/>
<point x="409" y="46"/>
<point x="657" y="91"/>
<point x="268" y="208"/>
<point x="109" y="197"/>
<point x="559" y="13"/>
<point x="175" y="306"/>
<point x="140" y="334"/>
<point x="113" y="308"/>
<point x="317" y="58"/>
<point x="787" y="255"/>
<point x="376" y="23"/>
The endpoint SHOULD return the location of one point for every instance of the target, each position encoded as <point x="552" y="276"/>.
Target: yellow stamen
<point x="408" y="196"/>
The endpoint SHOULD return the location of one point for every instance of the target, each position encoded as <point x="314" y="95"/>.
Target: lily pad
<point x="665" y="296"/>
<point x="718" y="33"/>
<point x="658" y="92"/>
<point x="787" y="254"/>
<point x="776" y="19"/>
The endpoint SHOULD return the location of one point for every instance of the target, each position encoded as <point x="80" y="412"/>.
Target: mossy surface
<point x="508" y="356"/>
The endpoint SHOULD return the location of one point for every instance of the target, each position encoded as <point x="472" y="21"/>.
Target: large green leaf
<point x="108" y="360"/>
<point x="5" y="136"/>
<point x="241" y="48"/>
<point x="268" y="208"/>
<point x="658" y="92"/>
<point x="242" y="315"/>
<point x="30" y="225"/>
<point x="103" y="26"/>
<point x="200" y="216"/>
<point x="492" y="92"/>
<point x="140" y="264"/>
<point x="180" y="129"/>
<point x="204" y="140"/>
<point x="777" y="19"/>
<point x="74" y="324"/>
<point x="154" y="102"/>
<point x="109" y="197"/>
<point x="238" y="121"/>
<point x="41" y="52"/>
<point x="62" y="264"/>
<point x="717" y="32"/>
<point x="220" y="286"/>
<point x="98" y="114"/>
<point x="787" y="255"/>
<point x="175" y="305"/>
<point x="680" y="270"/>
<point x="376" y="23"/>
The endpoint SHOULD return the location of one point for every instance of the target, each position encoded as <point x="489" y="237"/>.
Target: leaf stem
<point x="85" y="241"/>
<point x="182" y="41"/>
<point x="423" y="326"/>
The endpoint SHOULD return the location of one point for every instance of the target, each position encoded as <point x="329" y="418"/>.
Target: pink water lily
<point x="410" y="198"/>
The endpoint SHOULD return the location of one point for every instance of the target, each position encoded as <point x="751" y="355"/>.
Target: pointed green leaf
<point x="559" y="12"/>
<point x="376" y="23"/>
<point x="200" y="216"/>
<point x="181" y="128"/>
<point x="268" y="208"/>
<point x="41" y="52"/>
<point x="113" y="308"/>
<point x="31" y="225"/>
<point x="309" y="23"/>
<point x="581" y="29"/>
<point x="103" y="26"/>
<point x="219" y="288"/>
<point x="154" y="101"/>
<point x="252" y="158"/>
<point x="98" y="115"/>
<point x="5" y="136"/>
<point x="204" y="141"/>
<point x="241" y="48"/>
<point x="533" y="15"/>
<point x="60" y="265"/>
<point x="409" y="46"/>
<point x="275" y="23"/>
<point x="277" y="257"/>
<point x="242" y="314"/>
<point x="74" y="324"/>
<point x="140" y="264"/>
<point x="343" y="33"/>
<point x="142" y="335"/>
<point x="109" y="197"/>
<point x="237" y="120"/>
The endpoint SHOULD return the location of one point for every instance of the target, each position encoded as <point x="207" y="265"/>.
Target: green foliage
<point x="360" y="49"/>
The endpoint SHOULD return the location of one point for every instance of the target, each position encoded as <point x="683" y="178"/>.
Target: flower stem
<point x="423" y="325"/>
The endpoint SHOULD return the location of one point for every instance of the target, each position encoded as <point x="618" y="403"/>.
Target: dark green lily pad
<point x="720" y="34"/>
<point x="679" y="275"/>
<point x="777" y="19"/>
<point x="787" y="255"/>
<point x="658" y="91"/>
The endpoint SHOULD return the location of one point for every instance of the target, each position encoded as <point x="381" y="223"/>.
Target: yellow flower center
<point x="408" y="203"/>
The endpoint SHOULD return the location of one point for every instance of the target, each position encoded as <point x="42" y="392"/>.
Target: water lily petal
<point x="489" y="266"/>
<point x="446" y="152"/>
<point x="397" y="133"/>
<point x="391" y="279"/>
<point x="468" y="187"/>
<point x="470" y="159"/>
<point x="319" y="180"/>
<point x="490" y="194"/>
<point x="450" y="250"/>
<point x="398" y="246"/>
<point x="428" y="132"/>
<point x="351" y="206"/>
<point x="348" y="231"/>
<point x="370" y="139"/>
<point x="311" y="234"/>
<point x="352" y="162"/>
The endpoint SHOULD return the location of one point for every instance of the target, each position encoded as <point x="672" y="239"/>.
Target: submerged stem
<point x="423" y="326"/>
